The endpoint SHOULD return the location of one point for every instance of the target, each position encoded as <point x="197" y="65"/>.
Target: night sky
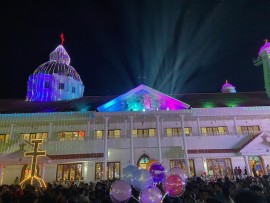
<point x="172" y="46"/>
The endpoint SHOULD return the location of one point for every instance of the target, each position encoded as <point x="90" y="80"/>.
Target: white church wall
<point x="199" y="167"/>
<point x="50" y="173"/>
<point x="238" y="161"/>
<point x="10" y="173"/>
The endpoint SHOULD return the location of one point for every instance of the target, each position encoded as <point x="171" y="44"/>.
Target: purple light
<point x="142" y="98"/>
<point x="55" y="80"/>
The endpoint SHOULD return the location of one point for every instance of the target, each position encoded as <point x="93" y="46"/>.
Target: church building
<point x="93" y="137"/>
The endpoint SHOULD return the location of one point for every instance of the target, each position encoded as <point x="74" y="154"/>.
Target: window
<point x="113" y="170"/>
<point x="29" y="136"/>
<point x="4" y="138"/>
<point x="219" y="167"/>
<point x="181" y="163"/>
<point x="220" y="130"/>
<point x="47" y="84"/>
<point x="143" y="161"/>
<point x="61" y="86"/>
<point x="69" y="172"/>
<point x="148" y="132"/>
<point x="73" y="89"/>
<point x="99" y="134"/>
<point x="248" y="130"/>
<point x="178" y="131"/>
<point x="71" y="135"/>
<point x="116" y="133"/>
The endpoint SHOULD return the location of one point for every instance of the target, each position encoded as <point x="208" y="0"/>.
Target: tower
<point x="264" y="59"/>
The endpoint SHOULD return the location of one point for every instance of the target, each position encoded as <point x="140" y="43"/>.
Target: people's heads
<point x="248" y="196"/>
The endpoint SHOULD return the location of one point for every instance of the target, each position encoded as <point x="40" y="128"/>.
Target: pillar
<point x="131" y="140"/>
<point x="1" y="174"/>
<point x="105" y="147"/>
<point x="50" y="131"/>
<point x="158" y="140"/>
<point x="11" y="130"/>
<point x="235" y="125"/>
<point x="199" y="126"/>
<point x="247" y="164"/>
<point x="88" y="129"/>
<point x="185" y="145"/>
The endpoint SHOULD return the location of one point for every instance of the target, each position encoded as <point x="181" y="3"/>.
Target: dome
<point x="55" y="80"/>
<point x="56" y="67"/>
<point x="266" y="46"/>
<point x="228" y="88"/>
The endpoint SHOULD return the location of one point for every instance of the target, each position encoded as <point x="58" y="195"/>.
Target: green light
<point x="208" y="105"/>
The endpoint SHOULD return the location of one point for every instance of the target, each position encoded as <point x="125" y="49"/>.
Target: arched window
<point x="142" y="161"/>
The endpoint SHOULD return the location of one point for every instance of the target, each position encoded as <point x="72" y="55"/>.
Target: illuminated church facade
<point x="209" y="133"/>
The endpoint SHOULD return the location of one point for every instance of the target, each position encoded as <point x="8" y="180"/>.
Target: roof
<point x="90" y="103"/>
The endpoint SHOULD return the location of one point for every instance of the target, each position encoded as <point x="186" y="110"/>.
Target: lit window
<point x="71" y="135"/>
<point x="29" y="136"/>
<point x="4" y="138"/>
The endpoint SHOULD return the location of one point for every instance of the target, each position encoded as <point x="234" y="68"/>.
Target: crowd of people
<point x="197" y="190"/>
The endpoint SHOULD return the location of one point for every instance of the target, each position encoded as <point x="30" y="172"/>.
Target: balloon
<point x="158" y="172"/>
<point x="128" y="173"/>
<point x="120" y="191"/>
<point x="178" y="171"/>
<point x="141" y="179"/>
<point x="174" y="185"/>
<point x="149" y="164"/>
<point x="150" y="195"/>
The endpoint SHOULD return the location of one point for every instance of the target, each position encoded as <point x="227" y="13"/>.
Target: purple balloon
<point x="158" y="172"/>
<point x="120" y="191"/>
<point x="150" y="195"/>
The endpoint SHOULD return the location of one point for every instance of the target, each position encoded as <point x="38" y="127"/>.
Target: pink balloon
<point x="174" y="185"/>
<point x="150" y="195"/>
<point x="120" y="191"/>
<point x="178" y="171"/>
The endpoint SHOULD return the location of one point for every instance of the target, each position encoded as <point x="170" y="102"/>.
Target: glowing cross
<point x="35" y="154"/>
<point x="62" y="38"/>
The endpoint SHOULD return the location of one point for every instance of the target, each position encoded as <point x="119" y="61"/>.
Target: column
<point x="1" y="174"/>
<point x="43" y="170"/>
<point x="50" y="131"/>
<point x="247" y="165"/>
<point x="88" y="129"/>
<point x="105" y="147"/>
<point x="235" y="125"/>
<point x="199" y="126"/>
<point x="125" y="128"/>
<point x="11" y="130"/>
<point x="131" y="140"/>
<point x="158" y="140"/>
<point x="185" y="145"/>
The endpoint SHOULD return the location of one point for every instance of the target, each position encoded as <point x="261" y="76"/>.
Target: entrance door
<point x="256" y="162"/>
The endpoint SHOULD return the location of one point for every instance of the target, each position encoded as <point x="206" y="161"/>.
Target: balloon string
<point x="135" y="198"/>
<point x="164" y="196"/>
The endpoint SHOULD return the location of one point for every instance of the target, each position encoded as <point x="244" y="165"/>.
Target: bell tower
<point x="264" y="59"/>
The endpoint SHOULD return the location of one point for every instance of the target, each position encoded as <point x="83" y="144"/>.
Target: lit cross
<point x="35" y="154"/>
<point x="62" y="38"/>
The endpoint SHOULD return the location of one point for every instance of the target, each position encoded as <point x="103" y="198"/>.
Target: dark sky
<point x="176" y="46"/>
